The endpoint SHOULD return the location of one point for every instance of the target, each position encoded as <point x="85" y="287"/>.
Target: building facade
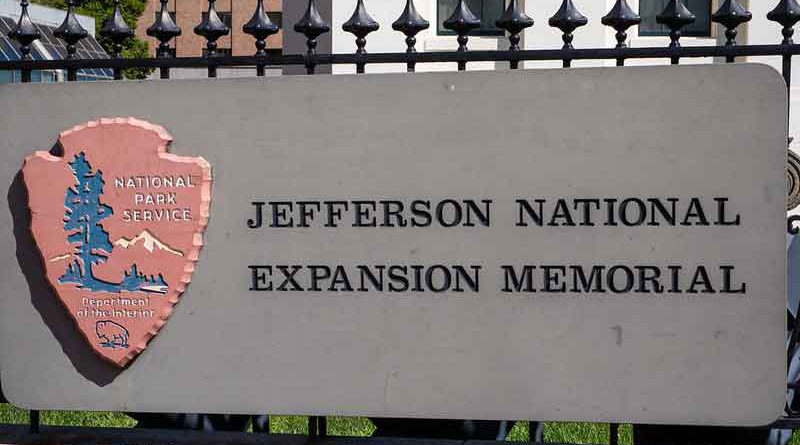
<point x="189" y="13"/>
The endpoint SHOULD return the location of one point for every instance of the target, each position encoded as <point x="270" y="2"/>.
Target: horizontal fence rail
<point x="384" y="58"/>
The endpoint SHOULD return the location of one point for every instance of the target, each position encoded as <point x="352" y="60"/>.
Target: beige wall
<point x="188" y="15"/>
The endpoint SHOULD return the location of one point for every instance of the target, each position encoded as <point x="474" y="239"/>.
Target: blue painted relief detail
<point x="84" y="213"/>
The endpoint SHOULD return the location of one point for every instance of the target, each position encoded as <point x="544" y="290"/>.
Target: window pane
<point x="487" y="10"/>
<point x="276" y="18"/>
<point x="492" y="10"/>
<point x="648" y="9"/>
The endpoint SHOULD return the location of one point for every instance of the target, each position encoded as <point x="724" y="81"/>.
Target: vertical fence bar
<point x="731" y="14"/>
<point x="116" y="30"/>
<point x="312" y="26"/>
<point x="164" y="29"/>
<point x="613" y="433"/>
<point x="313" y="426"/>
<point x="462" y="21"/>
<point x="261" y="424"/>
<point x="567" y="19"/>
<point x="260" y="27"/>
<point x="621" y="17"/>
<point x="787" y="13"/>
<point x="514" y="21"/>
<point x="360" y="25"/>
<point x="410" y="23"/>
<point x="25" y="32"/>
<point x="33" y="421"/>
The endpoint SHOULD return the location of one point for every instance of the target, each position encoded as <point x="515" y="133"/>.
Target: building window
<point x="649" y="9"/>
<point x="488" y="11"/>
<point x="171" y="51"/>
<point x="276" y="18"/>
<point x="220" y="52"/>
<point x="224" y="16"/>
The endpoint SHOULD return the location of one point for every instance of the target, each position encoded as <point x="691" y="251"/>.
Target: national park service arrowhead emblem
<point x="119" y="224"/>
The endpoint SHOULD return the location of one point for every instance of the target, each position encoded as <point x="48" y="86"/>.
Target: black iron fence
<point x="731" y="15"/>
<point x="676" y="16"/>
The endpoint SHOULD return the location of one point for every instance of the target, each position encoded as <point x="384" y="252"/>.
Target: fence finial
<point x="164" y="29"/>
<point x="462" y="21"/>
<point x="70" y="30"/>
<point x="360" y="25"/>
<point x="675" y="16"/>
<point x="211" y="28"/>
<point x="312" y="26"/>
<point x="514" y="21"/>
<point x="410" y="23"/>
<point x="567" y="19"/>
<point x="25" y="32"/>
<point x="621" y="17"/>
<point x="787" y="13"/>
<point x="116" y="30"/>
<point x="730" y="15"/>
<point x="260" y="27"/>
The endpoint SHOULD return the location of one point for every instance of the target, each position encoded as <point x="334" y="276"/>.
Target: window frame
<point x="706" y="34"/>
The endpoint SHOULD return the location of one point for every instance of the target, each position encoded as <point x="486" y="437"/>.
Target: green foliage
<point x="554" y="432"/>
<point x="102" y="9"/>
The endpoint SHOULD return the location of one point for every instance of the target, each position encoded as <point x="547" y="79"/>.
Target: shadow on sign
<point x="43" y="298"/>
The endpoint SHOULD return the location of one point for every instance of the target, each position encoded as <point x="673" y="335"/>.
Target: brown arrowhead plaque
<point x="119" y="224"/>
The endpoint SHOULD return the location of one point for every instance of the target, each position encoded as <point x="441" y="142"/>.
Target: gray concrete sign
<point x="587" y="244"/>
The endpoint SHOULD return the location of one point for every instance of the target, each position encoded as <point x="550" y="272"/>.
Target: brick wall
<point x="188" y="14"/>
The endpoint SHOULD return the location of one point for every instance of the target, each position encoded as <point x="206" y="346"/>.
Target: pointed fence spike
<point x="117" y="30"/>
<point x="70" y="30"/>
<point x="462" y="21"/>
<point x="567" y="19"/>
<point x="25" y="32"/>
<point x="410" y="23"/>
<point x="164" y="29"/>
<point x="621" y="17"/>
<point x="514" y="21"/>
<point x="260" y="27"/>
<point x="730" y="15"/>
<point x="212" y="28"/>
<point x="787" y="13"/>
<point x="675" y="16"/>
<point x="360" y="25"/>
<point x="311" y="25"/>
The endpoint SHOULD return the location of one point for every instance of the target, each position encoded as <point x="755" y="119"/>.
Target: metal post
<point x="33" y="421"/>
<point x="613" y="433"/>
